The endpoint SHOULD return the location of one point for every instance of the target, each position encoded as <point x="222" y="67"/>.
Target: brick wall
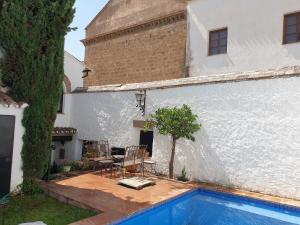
<point x="68" y="84"/>
<point x="148" y="55"/>
<point x="123" y="13"/>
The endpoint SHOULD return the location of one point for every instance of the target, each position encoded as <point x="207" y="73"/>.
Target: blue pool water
<point x="203" y="207"/>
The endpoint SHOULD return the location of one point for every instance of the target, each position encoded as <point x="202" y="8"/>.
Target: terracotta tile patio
<point x="113" y="201"/>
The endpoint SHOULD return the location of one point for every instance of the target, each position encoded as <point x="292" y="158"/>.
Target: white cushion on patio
<point x="136" y="182"/>
<point x="34" y="223"/>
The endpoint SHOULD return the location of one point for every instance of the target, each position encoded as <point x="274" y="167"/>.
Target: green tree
<point x="177" y="122"/>
<point x="32" y="40"/>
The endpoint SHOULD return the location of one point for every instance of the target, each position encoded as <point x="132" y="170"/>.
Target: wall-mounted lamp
<point x="141" y="100"/>
<point x="85" y="72"/>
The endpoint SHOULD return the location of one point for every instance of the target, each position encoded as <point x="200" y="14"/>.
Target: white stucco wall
<point x="106" y="116"/>
<point x="16" y="171"/>
<point x="73" y="150"/>
<point x="255" y="33"/>
<point x="249" y="136"/>
<point x="63" y="119"/>
<point x="73" y="70"/>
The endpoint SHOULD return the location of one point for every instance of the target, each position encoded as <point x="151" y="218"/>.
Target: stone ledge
<point x="52" y="192"/>
<point x="285" y="72"/>
<point x="277" y="200"/>
<point x="169" y="19"/>
<point x="7" y="101"/>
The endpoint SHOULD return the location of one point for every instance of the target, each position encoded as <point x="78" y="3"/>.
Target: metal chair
<point x="134" y="155"/>
<point x="91" y="148"/>
<point x="103" y="147"/>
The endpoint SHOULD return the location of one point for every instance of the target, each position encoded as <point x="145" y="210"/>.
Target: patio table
<point x="117" y="158"/>
<point x="106" y="164"/>
<point x="96" y="160"/>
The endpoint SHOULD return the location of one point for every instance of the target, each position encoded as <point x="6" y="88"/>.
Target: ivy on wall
<point x="32" y="40"/>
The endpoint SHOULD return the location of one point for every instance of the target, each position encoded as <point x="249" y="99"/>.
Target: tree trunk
<point x="171" y="164"/>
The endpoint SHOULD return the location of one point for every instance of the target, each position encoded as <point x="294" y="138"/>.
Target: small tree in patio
<point x="177" y="122"/>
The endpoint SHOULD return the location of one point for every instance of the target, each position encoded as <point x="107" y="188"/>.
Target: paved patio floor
<point x="111" y="200"/>
<point x="114" y="202"/>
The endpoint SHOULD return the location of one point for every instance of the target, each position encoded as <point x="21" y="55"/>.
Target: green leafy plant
<point x="31" y="187"/>
<point x="183" y="177"/>
<point x="55" y="168"/>
<point x="32" y="40"/>
<point x="176" y="122"/>
<point x="76" y="165"/>
<point x="86" y="164"/>
<point x="67" y="163"/>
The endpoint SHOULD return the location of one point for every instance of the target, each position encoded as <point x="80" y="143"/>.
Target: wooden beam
<point x="140" y="124"/>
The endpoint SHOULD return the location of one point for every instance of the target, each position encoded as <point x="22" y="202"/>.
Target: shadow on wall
<point x="114" y="119"/>
<point x="205" y="161"/>
<point x="199" y="158"/>
<point x="248" y="138"/>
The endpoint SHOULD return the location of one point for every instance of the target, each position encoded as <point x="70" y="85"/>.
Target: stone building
<point x="133" y="41"/>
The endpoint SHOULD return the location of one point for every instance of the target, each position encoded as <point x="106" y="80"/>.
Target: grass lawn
<point x="40" y="207"/>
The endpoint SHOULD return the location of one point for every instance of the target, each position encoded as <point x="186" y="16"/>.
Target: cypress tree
<point x="32" y="40"/>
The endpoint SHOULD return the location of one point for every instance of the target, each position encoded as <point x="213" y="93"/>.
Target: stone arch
<point x="68" y="85"/>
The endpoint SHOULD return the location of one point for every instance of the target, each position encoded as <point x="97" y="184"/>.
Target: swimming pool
<point x="204" y="207"/>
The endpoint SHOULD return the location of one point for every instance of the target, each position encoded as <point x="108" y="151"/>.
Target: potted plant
<point x="67" y="166"/>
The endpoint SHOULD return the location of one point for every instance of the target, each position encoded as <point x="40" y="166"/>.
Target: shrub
<point x="183" y="177"/>
<point x="31" y="187"/>
<point x="55" y="168"/>
<point x="67" y="163"/>
<point x="76" y="165"/>
<point x="87" y="165"/>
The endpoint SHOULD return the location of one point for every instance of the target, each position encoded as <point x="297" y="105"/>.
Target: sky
<point x="86" y="10"/>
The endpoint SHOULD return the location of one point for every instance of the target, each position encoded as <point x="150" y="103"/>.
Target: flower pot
<point x="67" y="169"/>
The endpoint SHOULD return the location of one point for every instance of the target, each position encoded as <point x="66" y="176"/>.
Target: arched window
<point x="61" y="102"/>
<point x="66" y="89"/>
